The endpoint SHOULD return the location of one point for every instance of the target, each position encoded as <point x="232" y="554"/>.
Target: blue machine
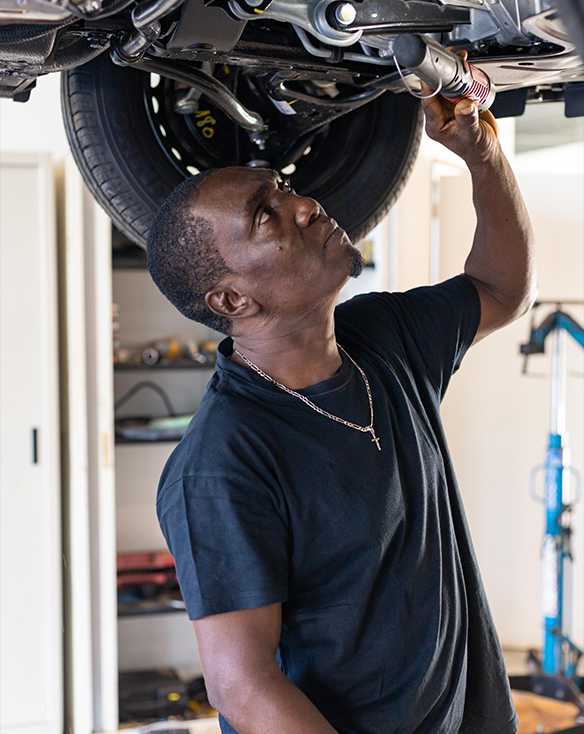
<point x="555" y="673"/>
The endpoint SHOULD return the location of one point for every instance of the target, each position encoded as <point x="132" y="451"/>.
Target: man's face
<point x="287" y="252"/>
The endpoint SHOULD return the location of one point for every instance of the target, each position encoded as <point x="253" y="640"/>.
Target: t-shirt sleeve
<point x="444" y="320"/>
<point x="229" y="542"/>
<point x="432" y="325"/>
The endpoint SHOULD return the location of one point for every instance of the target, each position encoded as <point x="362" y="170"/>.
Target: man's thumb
<point x="467" y="113"/>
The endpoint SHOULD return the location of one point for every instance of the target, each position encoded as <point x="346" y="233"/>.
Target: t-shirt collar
<point x="334" y="383"/>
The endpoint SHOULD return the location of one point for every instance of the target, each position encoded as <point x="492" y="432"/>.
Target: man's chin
<point x="357" y="262"/>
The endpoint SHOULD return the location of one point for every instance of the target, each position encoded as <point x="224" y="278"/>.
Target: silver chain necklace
<point x="363" y="429"/>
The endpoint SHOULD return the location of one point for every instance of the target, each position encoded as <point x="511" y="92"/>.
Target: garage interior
<point x="84" y="380"/>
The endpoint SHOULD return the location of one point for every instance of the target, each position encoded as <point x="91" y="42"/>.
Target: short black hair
<point x="183" y="259"/>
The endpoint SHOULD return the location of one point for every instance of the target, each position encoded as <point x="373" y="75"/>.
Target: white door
<point x="31" y="677"/>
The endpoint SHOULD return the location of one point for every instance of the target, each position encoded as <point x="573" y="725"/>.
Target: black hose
<point x="153" y="386"/>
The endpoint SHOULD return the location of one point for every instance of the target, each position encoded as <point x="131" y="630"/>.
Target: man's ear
<point x="225" y="300"/>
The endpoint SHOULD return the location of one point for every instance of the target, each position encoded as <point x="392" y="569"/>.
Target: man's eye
<point x="287" y="186"/>
<point x="264" y="216"/>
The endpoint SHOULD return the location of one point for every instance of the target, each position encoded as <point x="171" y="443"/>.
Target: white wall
<point x="496" y="418"/>
<point x="35" y="125"/>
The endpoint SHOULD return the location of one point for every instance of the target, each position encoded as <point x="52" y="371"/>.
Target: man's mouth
<point x="335" y="235"/>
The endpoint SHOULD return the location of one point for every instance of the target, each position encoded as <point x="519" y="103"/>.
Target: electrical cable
<point x="153" y="386"/>
<point x="412" y="91"/>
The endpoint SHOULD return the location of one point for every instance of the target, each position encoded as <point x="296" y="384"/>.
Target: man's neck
<point x="298" y="359"/>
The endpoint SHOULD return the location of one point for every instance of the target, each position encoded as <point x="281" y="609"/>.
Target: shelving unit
<point x="154" y="632"/>
<point x="139" y="425"/>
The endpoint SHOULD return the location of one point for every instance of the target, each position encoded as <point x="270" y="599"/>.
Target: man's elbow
<point x="227" y="694"/>
<point x="515" y="307"/>
<point x="499" y="310"/>
<point x="530" y="288"/>
<point x="219" y="692"/>
<point x="523" y="302"/>
<point x="235" y="693"/>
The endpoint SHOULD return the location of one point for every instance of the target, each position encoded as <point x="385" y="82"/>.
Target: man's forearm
<point x="270" y="703"/>
<point x="501" y="262"/>
<point x="502" y="258"/>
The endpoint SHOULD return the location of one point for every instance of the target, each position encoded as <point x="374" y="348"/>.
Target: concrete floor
<point x="537" y="715"/>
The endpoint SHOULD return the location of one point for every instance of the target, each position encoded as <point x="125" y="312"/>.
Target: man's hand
<point x="460" y="128"/>
<point x="501" y="262"/>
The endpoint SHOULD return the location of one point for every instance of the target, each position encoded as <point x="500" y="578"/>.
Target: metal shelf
<point x="164" y="605"/>
<point x="129" y="441"/>
<point x="175" y="365"/>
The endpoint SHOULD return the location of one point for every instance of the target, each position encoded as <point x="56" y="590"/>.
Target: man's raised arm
<point x="501" y="262"/>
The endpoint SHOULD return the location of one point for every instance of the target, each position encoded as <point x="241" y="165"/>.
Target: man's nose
<point x="306" y="210"/>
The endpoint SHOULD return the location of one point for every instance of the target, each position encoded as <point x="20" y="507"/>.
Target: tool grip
<point x="442" y="69"/>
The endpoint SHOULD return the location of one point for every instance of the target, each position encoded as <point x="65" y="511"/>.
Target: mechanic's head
<point x="237" y="249"/>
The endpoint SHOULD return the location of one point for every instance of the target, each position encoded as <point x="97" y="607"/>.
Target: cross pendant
<point x="375" y="438"/>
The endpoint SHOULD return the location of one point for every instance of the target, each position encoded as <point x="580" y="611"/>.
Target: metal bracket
<point x="308" y="14"/>
<point x="205" y="26"/>
<point x="301" y="114"/>
<point x="395" y="15"/>
<point x="322" y="21"/>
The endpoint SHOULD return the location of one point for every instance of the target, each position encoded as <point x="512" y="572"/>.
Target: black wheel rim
<point x="325" y="159"/>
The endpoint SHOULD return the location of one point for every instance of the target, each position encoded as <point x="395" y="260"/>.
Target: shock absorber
<point x="441" y="69"/>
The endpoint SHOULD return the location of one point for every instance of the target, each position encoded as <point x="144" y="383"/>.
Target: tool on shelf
<point x="169" y="352"/>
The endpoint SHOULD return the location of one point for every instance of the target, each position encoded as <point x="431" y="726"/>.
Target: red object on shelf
<point x="155" y="568"/>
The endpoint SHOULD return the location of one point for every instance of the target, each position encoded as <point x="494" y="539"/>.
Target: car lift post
<point x="555" y="675"/>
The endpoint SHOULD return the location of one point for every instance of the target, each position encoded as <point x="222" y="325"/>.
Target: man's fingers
<point x="463" y="54"/>
<point x="432" y="104"/>
<point x="458" y="125"/>
<point x="489" y="118"/>
<point x="428" y="96"/>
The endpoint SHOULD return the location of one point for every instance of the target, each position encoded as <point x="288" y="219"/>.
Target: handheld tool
<point x="444" y="70"/>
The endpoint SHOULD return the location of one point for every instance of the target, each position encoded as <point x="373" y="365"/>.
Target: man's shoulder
<point x="457" y="287"/>
<point x="372" y="318"/>
<point x="427" y="329"/>
<point x="218" y="435"/>
<point x="396" y="310"/>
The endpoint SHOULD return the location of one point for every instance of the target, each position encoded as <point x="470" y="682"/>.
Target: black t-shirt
<point x="385" y="623"/>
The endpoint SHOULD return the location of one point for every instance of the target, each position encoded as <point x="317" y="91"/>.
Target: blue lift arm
<point x="556" y="675"/>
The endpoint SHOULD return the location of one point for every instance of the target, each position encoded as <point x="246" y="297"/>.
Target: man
<point x="311" y="507"/>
